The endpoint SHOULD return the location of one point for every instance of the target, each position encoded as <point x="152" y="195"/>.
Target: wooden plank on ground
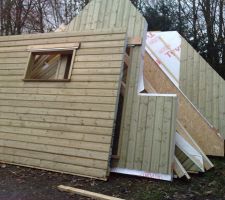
<point x="86" y="193"/>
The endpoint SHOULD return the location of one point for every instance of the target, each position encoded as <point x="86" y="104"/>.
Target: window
<point x="50" y="63"/>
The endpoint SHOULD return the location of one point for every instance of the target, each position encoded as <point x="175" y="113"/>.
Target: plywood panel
<point x="206" y="84"/>
<point x="188" y="115"/>
<point x="58" y="126"/>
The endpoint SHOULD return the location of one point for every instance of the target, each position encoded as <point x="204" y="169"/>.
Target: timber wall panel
<point x="61" y="126"/>
<point x="188" y="115"/>
<point x="203" y="86"/>
<point x="152" y="146"/>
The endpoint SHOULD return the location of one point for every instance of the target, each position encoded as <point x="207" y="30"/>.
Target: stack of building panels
<point x="194" y="132"/>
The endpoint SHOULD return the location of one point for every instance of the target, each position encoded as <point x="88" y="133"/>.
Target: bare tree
<point x="19" y="16"/>
<point x="1" y="18"/>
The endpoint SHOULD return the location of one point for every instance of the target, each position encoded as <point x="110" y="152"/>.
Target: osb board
<point x="151" y="148"/>
<point x="203" y="86"/>
<point x="61" y="126"/>
<point x="206" y="136"/>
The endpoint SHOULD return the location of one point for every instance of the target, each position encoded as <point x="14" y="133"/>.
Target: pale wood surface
<point x="63" y="127"/>
<point x="203" y="86"/>
<point x="151" y="148"/>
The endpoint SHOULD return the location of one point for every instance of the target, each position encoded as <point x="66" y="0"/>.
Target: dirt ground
<point x="19" y="183"/>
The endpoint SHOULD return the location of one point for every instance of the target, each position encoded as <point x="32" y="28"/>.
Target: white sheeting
<point x="184" y="146"/>
<point x="165" y="49"/>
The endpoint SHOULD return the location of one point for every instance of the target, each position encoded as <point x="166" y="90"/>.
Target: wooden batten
<point x="179" y="169"/>
<point x="135" y="41"/>
<point x="53" y="47"/>
<point x="86" y="193"/>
